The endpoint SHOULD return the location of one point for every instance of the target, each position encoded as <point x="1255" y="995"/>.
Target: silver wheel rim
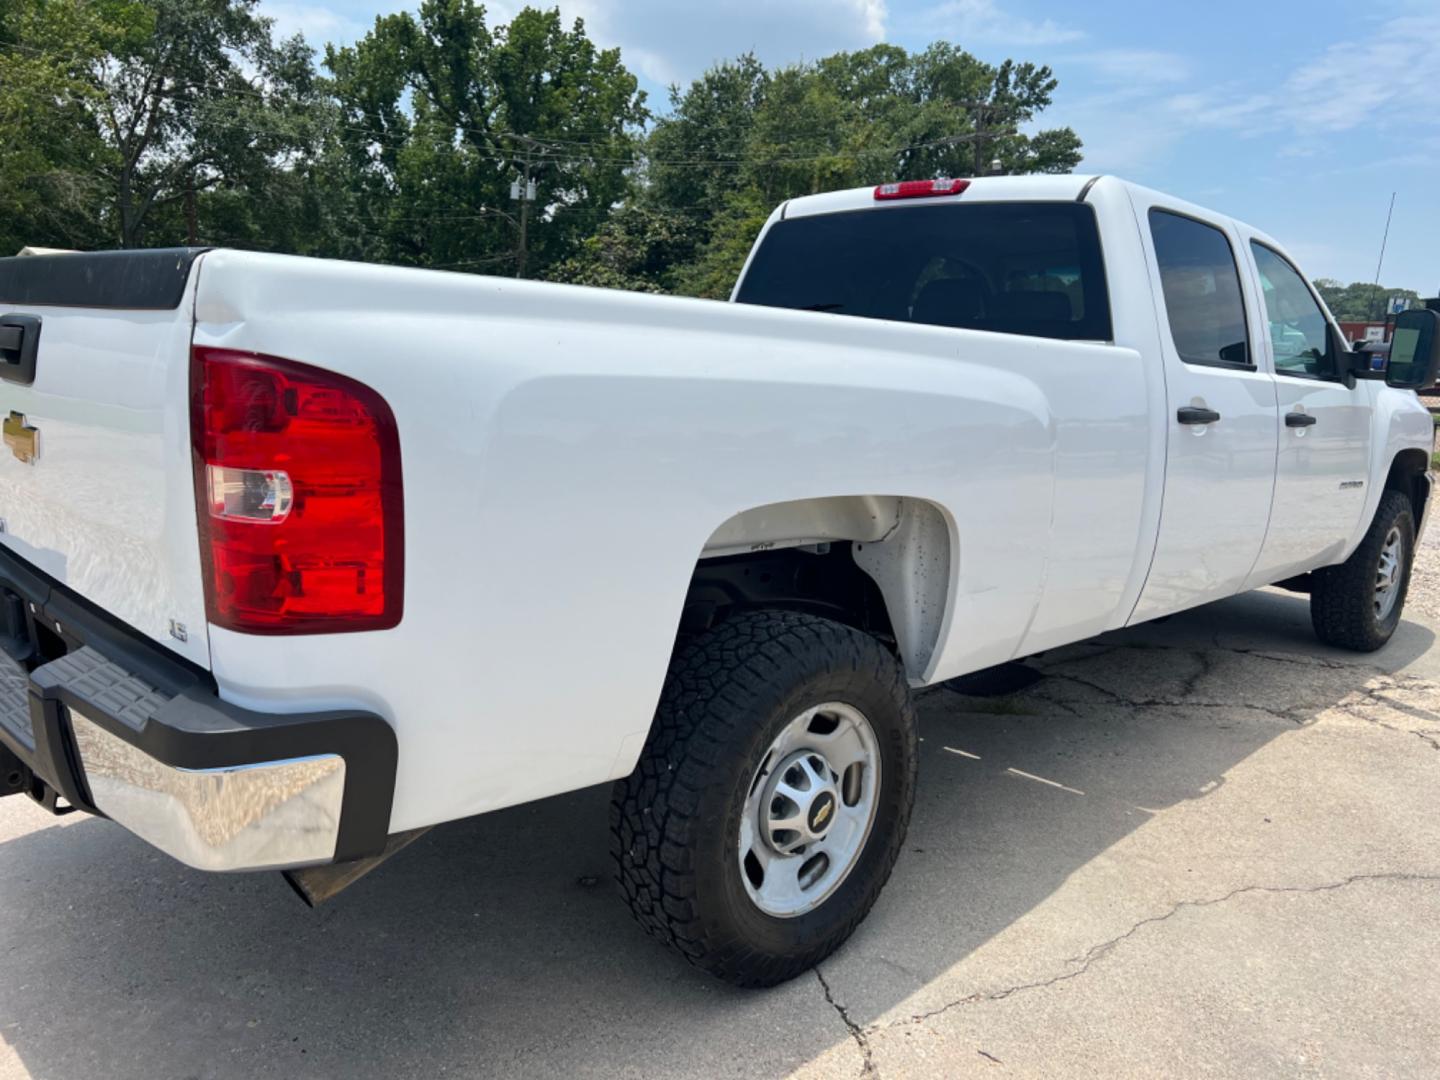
<point x="809" y="809"/>
<point x="1388" y="573"/>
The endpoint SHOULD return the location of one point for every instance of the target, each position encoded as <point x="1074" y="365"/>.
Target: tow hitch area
<point x="12" y="773"/>
<point x="317" y="884"/>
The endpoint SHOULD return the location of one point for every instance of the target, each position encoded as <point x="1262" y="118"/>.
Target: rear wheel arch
<point x="883" y="564"/>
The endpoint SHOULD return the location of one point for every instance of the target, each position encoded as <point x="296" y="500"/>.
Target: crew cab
<point x="299" y="557"/>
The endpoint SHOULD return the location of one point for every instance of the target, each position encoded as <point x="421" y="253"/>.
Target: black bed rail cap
<point x="151" y="280"/>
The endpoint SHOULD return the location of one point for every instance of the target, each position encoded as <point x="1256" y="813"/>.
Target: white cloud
<point x="1142" y="108"/>
<point x="1387" y="79"/>
<point x="1395" y="70"/>
<point x="1121" y="119"/>
<point x="673" y="42"/>
<point x="664" y="41"/>
<point x="967" y="22"/>
<point x="318" y="24"/>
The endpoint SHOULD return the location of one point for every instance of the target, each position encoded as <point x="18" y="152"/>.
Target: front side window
<point x="1011" y="268"/>
<point x="1202" y="291"/>
<point x="1299" y="333"/>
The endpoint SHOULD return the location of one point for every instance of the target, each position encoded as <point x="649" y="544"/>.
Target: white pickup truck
<point x="299" y="557"/>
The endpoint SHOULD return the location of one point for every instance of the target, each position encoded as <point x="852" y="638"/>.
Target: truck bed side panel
<point x="567" y="452"/>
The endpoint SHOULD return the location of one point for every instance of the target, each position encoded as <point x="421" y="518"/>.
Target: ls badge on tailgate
<point x="23" y="440"/>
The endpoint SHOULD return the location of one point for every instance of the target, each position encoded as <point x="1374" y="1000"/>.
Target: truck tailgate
<point x="96" y="482"/>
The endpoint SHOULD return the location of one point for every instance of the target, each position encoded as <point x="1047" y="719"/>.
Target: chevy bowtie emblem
<point x="22" y="439"/>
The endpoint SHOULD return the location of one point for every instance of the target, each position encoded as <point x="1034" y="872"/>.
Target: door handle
<point x="1298" y="419"/>
<point x="1189" y="414"/>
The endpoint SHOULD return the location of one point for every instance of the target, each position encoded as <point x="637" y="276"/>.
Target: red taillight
<point x="920" y="189"/>
<point x="298" y="493"/>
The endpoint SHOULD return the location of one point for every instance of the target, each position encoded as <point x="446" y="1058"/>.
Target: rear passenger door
<point x="1221" y="421"/>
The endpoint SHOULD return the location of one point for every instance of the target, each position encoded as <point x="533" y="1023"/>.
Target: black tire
<point x="1342" y="598"/>
<point x="675" y="819"/>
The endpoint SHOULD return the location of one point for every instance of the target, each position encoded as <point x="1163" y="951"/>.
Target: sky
<point x="1300" y="117"/>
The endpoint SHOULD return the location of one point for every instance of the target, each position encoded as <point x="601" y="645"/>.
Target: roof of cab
<point x="983" y="189"/>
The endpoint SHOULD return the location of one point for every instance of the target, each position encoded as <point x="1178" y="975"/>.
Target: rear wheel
<point x="772" y="798"/>
<point x="1357" y="605"/>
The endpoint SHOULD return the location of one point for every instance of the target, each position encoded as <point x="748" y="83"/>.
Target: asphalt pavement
<point x="1207" y="846"/>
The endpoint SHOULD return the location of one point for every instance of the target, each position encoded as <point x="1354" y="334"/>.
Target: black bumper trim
<point x="170" y="710"/>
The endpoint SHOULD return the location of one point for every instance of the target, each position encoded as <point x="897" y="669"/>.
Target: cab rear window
<point x="1012" y="268"/>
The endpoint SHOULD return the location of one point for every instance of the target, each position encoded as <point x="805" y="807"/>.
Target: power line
<point x="551" y="149"/>
<point x="557" y="155"/>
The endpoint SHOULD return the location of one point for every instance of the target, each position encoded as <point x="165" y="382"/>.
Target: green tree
<point x="442" y="113"/>
<point x="741" y="140"/>
<point x="721" y="255"/>
<point x="150" y="104"/>
<point x="694" y="155"/>
<point x="1359" y="301"/>
<point x="639" y="248"/>
<point x="157" y="121"/>
<point x="50" y="144"/>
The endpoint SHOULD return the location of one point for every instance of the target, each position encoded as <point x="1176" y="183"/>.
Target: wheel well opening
<point x="819" y="579"/>
<point x="1407" y="476"/>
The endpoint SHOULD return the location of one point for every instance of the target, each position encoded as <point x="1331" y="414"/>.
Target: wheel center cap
<point x="800" y="802"/>
<point x="822" y="813"/>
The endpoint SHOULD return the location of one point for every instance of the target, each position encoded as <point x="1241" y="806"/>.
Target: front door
<point x="1221" y="416"/>
<point x="1323" y="427"/>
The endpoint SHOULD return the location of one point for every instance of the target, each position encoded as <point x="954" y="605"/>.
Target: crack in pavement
<point x="1353" y="710"/>
<point x="1097" y="952"/>
<point x="1375" y="696"/>
<point x="1202" y="657"/>
<point x="1297" y="715"/>
<point x="856" y="1031"/>
<point x="1300" y="715"/>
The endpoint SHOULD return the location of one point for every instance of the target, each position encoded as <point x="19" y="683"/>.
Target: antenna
<point x="1375" y="292"/>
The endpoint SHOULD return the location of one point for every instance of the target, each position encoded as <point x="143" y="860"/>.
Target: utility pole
<point x="982" y="114"/>
<point x="523" y="191"/>
<point x="980" y="118"/>
<point x="192" y="231"/>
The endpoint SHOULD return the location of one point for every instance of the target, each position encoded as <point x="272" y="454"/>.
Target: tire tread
<point x="1342" y="597"/>
<point x="702" y="722"/>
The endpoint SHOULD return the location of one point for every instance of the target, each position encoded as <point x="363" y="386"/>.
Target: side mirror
<point x="1344" y="361"/>
<point x="1414" y="350"/>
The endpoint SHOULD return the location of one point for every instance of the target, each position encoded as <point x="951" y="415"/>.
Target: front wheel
<point x="772" y="798"/>
<point x="1357" y="604"/>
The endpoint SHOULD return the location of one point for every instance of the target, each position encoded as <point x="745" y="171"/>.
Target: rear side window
<point x="1202" y="290"/>
<point x="1013" y="268"/>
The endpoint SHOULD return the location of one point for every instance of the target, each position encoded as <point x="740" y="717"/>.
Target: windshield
<point x="1014" y="268"/>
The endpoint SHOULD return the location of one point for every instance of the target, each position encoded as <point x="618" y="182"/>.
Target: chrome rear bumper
<point x="270" y="814"/>
<point x="118" y="727"/>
